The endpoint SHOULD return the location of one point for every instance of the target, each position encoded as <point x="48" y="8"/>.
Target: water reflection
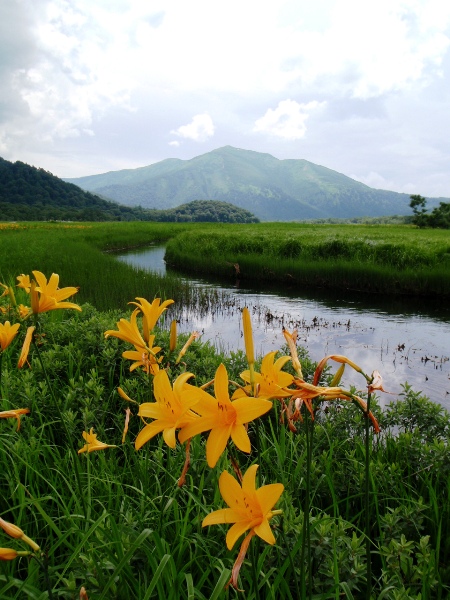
<point x="405" y="339"/>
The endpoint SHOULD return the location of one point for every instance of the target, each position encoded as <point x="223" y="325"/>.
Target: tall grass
<point x="386" y="259"/>
<point x="398" y="260"/>
<point x="82" y="253"/>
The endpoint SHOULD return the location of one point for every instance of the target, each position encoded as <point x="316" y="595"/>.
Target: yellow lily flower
<point x="145" y="357"/>
<point x="194" y="336"/>
<point x="128" y="331"/>
<point x="24" y="282"/>
<point x="26" y="347"/>
<point x="7" y="333"/>
<point x="248" y="336"/>
<point x="173" y="336"/>
<point x="171" y="410"/>
<point x="92" y="443"/>
<point x="151" y="313"/>
<point x="14" y="414"/>
<point x="9" y="291"/>
<point x="47" y="296"/>
<point x="223" y="417"/>
<point x="249" y="508"/>
<point x="272" y="379"/>
<point x="23" y="311"/>
<point x="50" y="287"/>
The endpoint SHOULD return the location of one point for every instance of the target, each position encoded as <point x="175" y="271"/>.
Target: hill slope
<point x="31" y="194"/>
<point x="272" y="189"/>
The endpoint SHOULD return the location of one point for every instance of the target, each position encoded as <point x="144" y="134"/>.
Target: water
<point x="405" y="339"/>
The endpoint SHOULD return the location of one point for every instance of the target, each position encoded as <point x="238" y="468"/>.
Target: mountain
<point x="31" y="194"/>
<point x="272" y="189"/>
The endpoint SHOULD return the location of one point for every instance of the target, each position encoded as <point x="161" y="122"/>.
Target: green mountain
<point x="31" y="194"/>
<point x="272" y="189"/>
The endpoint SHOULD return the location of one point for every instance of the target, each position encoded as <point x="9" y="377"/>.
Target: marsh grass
<point x="387" y="259"/>
<point x="399" y="260"/>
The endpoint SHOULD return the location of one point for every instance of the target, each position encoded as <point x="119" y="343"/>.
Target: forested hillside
<point x="31" y="194"/>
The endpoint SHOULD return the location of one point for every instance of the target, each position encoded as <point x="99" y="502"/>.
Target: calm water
<point x="405" y="339"/>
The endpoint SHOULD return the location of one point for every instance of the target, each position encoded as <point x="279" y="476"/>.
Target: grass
<point x="125" y="530"/>
<point x="371" y="258"/>
<point x="393" y="259"/>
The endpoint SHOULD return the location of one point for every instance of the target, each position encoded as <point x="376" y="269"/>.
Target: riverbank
<point x="377" y="259"/>
<point x="397" y="260"/>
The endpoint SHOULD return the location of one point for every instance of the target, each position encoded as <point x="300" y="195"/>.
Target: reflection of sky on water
<point x="403" y="347"/>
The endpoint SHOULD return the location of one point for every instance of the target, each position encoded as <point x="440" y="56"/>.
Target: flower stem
<point x="306" y="534"/>
<point x="367" y="501"/>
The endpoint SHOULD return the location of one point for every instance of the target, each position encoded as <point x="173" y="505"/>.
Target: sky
<point x="363" y="88"/>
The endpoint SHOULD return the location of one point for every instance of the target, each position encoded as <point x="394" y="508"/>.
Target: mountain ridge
<point x="272" y="189"/>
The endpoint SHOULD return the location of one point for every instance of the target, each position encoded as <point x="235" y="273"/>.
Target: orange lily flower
<point x="151" y="313"/>
<point x="7" y="333"/>
<point x="337" y="358"/>
<point x="14" y="414"/>
<point x="17" y="533"/>
<point x="308" y="392"/>
<point x="26" y="347"/>
<point x="24" y="282"/>
<point x="171" y="410"/>
<point x="92" y="443"/>
<point x="249" y="508"/>
<point x="222" y="417"/>
<point x="8" y="554"/>
<point x="47" y="296"/>
<point x="272" y="379"/>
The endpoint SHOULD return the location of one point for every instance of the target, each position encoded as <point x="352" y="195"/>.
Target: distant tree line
<point x="210" y="211"/>
<point x="438" y="218"/>
<point x="32" y="194"/>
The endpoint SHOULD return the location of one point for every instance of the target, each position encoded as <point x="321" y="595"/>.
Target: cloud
<point x="288" y="120"/>
<point x="199" y="129"/>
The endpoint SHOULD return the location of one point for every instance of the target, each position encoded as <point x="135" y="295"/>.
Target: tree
<point x="418" y="204"/>
<point x="438" y="218"/>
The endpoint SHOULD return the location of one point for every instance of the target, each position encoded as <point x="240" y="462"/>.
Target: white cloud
<point x="100" y="83"/>
<point x="199" y="129"/>
<point x="288" y="120"/>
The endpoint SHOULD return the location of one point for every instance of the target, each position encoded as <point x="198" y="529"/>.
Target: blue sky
<point x="90" y="86"/>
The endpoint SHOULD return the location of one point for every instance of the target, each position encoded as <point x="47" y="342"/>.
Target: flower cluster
<point x="183" y="411"/>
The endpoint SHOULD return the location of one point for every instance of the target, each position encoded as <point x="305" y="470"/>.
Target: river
<point x="406" y="339"/>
